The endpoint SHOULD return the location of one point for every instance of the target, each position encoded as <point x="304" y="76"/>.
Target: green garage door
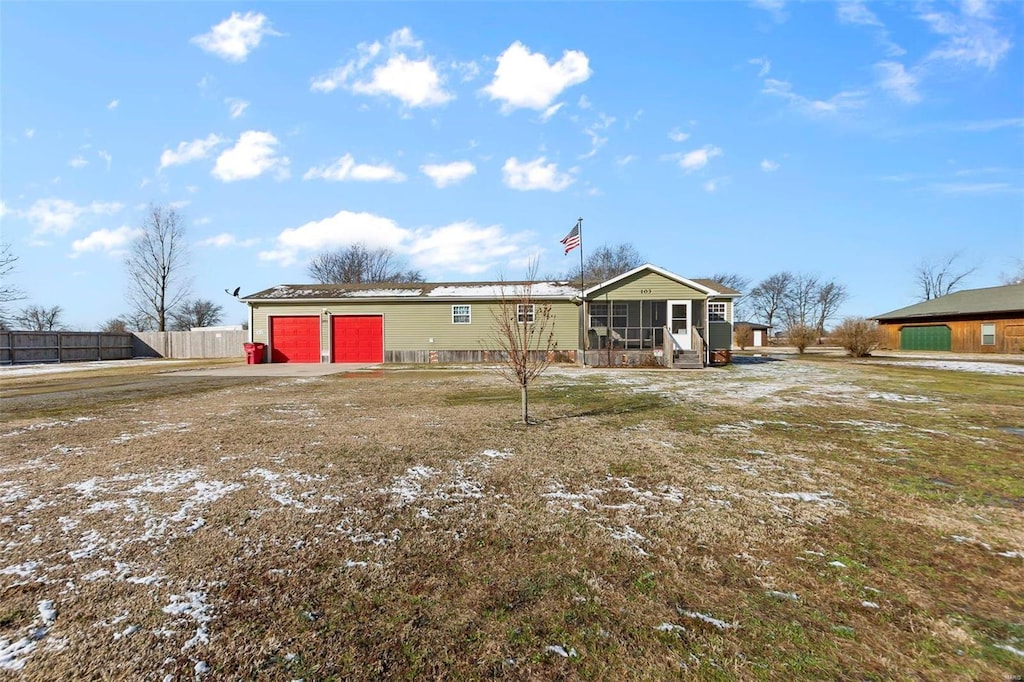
<point x="933" y="337"/>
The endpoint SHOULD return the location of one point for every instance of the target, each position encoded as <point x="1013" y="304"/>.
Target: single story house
<point x="989" y="320"/>
<point x="759" y="333"/>
<point x="645" y="316"/>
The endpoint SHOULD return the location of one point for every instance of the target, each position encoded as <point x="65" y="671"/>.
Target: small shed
<point x="760" y="331"/>
<point x="989" y="320"/>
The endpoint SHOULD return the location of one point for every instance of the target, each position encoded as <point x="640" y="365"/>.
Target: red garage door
<point x="295" y="339"/>
<point x="357" y="338"/>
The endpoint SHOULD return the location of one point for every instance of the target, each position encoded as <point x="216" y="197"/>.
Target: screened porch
<point x="639" y="325"/>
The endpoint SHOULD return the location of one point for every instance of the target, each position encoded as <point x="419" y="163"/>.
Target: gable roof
<point x="707" y="286"/>
<point x="406" y="290"/>
<point x="1004" y="299"/>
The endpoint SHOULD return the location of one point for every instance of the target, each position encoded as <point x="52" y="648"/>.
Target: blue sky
<point x="846" y="140"/>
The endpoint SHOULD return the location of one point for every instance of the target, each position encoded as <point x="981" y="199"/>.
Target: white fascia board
<point x="661" y="271"/>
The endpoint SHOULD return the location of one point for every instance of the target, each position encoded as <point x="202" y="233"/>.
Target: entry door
<point x="679" y="313"/>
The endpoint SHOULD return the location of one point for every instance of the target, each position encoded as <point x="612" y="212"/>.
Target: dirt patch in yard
<point x="760" y="521"/>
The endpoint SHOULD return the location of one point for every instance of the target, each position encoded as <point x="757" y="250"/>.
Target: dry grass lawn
<point x="808" y="519"/>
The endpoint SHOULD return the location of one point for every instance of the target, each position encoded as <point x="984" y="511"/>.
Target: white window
<point x="716" y="312"/>
<point x="461" y="314"/>
<point x="988" y="334"/>
<point x="524" y="313"/>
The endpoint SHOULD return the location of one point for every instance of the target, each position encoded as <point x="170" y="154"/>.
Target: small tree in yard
<point x="801" y="336"/>
<point x="744" y="336"/>
<point x="524" y="333"/>
<point x="857" y="335"/>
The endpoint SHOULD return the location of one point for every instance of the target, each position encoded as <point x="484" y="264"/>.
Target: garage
<point x="295" y="339"/>
<point x="357" y="338"/>
<point x="930" y="337"/>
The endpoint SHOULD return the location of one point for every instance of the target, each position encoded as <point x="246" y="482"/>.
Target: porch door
<point x="679" y="313"/>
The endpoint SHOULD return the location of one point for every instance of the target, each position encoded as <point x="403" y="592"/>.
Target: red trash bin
<point x="254" y="353"/>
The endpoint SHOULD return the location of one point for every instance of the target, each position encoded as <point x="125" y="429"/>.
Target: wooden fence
<point x="31" y="347"/>
<point x="190" y="345"/>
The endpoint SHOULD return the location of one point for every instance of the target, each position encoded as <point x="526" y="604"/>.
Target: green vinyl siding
<point x="719" y="335"/>
<point x="646" y="286"/>
<point x="931" y="337"/>
<point x="410" y="325"/>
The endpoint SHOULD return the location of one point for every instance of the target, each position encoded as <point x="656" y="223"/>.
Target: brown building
<point x="989" y="320"/>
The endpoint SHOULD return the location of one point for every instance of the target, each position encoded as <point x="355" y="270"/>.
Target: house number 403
<point x="645" y="291"/>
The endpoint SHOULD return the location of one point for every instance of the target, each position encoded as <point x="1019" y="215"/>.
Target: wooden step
<point x="687" y="359"/>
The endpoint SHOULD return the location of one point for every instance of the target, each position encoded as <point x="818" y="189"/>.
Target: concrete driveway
<point x="298" y="369"/>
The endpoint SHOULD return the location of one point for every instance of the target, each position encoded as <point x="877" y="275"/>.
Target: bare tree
<point x="139" y="322"/>
<point x="606" y="262"/>
<point x="1015" y="275"/>
<point x="830" y="296"/>
<point x="799" y="306"/>
<point x="114" y="325"/>
<point x="196" y="313"/>
<point x="936" y="278"/>
<point x="524" y="331"/>
<point x="156" y="266"/>
<point x="359" y="264"/>
<point x="768" y="298"/>
<point x="8" y="292"/>
<point x="36" y="318"/>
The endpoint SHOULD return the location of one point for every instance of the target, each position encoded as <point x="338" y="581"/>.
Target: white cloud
<point x="594" y="130"/>
<point x="710" y="186"/>
<point x="78" y="162"/>
<point x="769" y="166"/>
<point x="526" y="80"/>
<point x="584" y="102"/>
<point x="678" y="136"/>
<point x="191" y="189"/>
<point x="446" y="174"/>
<point x="625" y="160"/>
<point x="774" y="7"/>
<point x="3" y="209"/>
<point x="468" y="70"/>
<point x="253" y="155"/>
<point x="111" y="241"/>
<point x="57" y="216"/>
<point x="226" y="239"/>
<point x="535" y="174"/>
<point x="346" y="168"/>
<point x="107" y="158"/>
<point x="856" y="12"/>
<point x="698" y="158"/>
<point x="764" y="63"/>
<point x="463" y="247"/>
<point x="972" y="38"/>
<point x="897" y="81"/>
<point x="838" y="103"/>
<point x="235" y="37"/>
<point x="113" y="104"/>
<point x="551" y="111"/>
<point x="416" y="82"/>
<point x="180" y="203"/>
<point x="30" y="133"/>
<point x="190" y="151"/>
<point x="236" y="107"/>
<point x="342" y="229"/>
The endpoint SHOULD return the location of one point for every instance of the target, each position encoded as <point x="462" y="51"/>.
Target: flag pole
<point x="583" y="299"/>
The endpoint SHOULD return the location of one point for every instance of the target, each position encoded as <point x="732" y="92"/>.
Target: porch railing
<point x="624" y="338"/>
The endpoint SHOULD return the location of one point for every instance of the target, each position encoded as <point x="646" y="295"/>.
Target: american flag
<point x="572" y="240"/>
